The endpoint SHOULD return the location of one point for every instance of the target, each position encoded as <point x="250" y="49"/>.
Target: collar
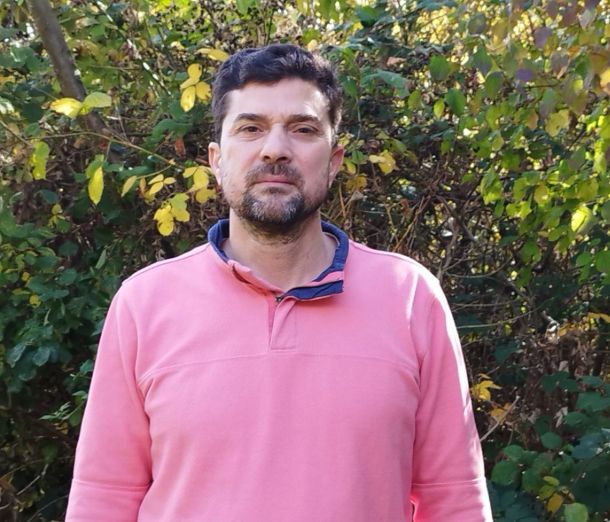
<point x="329" y="282"/>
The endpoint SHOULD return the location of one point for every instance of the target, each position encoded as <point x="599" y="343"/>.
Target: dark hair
<point x="271" y="64"/>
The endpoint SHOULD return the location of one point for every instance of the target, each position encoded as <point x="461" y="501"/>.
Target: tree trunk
<point x="65" y="69"/>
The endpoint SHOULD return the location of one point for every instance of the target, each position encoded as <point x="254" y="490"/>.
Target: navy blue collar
<point x="220" y="231"/>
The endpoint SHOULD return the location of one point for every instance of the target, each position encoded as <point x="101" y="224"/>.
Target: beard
<point x="274" y="213"/>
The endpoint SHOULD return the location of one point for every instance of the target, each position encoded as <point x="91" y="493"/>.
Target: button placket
<point x="282" y="324"/>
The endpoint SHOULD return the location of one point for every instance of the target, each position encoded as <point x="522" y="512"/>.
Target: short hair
<point x="269" y="65"/>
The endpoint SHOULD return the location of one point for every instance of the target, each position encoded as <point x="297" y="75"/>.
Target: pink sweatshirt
<point x="345" y="400"/>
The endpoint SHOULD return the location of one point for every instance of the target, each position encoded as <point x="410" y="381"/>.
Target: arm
<point x="448" y="474"/>
<point x="113" y="467"/>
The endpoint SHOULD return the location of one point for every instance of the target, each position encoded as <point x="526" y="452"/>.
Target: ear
<point x="336" y="160"/>
<point x="214" y="159"/>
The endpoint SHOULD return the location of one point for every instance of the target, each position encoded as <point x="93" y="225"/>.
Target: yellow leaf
<point x="95" y="188"/>
<point x="129" y="182"/>
<point x="34" y="300"/>
<point x="169" y="181"/>
<point x="165" y="220"/>
<point x="180" y="214"/>
<point x="215" y="54"/>
<point x="200" y="178"/>
<point x="56" y="209"/>
<point x="480" y="391"/>
<point x="605" y="317"/>
<point x="156" y="187"/>
<point x="156" y="179"/>
<point x="203" y="91"/>
<point x="25" y="277"/>
<point x="163" y="213"/>
<point x="187" y="100"/>
<point x="349" y="166"/>
<point x="68" y="106"/>
<point x="499" y="412"/>
<point x="188" y="83"/>
<point x="38" y="160"/>
<point x="557" y="121"/>
<point x="386" y="161"/>
<point x="189" y="171"/>
<point x="194" y="71"/>
<point x="579" y="219"/>
<point x="202" y="195"/>
<point x="165" y="228"/>
<point x="554" y="502"/>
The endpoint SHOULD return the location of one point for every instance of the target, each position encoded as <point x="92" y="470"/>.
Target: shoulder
<point x="380" y="264"/>
<point x="168" y="270"/>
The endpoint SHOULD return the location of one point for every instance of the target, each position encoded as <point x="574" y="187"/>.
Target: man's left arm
<point x="448" y="474"/>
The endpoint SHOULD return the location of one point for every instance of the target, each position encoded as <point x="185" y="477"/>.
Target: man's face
<point x="275" y="161"/>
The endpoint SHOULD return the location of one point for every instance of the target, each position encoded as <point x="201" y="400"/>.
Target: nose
<point x="276" y="146"/>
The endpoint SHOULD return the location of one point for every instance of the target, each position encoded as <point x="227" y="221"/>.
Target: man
<point x="280" y="372"/>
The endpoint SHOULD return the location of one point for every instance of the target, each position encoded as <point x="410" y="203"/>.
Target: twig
<point x="499" y="421"/>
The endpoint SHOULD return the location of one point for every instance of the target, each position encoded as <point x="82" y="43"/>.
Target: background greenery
<point x="478" y="139"/>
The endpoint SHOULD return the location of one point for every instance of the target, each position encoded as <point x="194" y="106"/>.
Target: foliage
<point x="478" y="141"/>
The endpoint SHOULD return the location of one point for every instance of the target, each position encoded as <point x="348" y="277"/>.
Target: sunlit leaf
<point x="129" y="182"/>
<point x="214" y="54"/>
<point x="439" y="108"/>
<point x="557" y="121"/>
<point x="95" y="175"/>
<point x="68" y="106"/>
<point x="96" y="100"/>
<point x="187" y="99"/>
<point x="203" y="91"/>
<point x="38" y="160"/>
<point x="194" y="71"/>
<point x="580" y="217"/>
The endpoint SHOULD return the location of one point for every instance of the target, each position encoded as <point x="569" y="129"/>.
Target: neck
<point x="286" y="261"/>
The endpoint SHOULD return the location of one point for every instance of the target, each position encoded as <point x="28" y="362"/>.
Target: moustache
<point x="290" y="173"/>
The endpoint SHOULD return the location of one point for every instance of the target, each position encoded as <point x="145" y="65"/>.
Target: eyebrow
<point x="293" y="118"/>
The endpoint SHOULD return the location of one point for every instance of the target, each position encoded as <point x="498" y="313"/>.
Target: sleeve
<point x="112" y="469"/>
<point x="448" y="473"/>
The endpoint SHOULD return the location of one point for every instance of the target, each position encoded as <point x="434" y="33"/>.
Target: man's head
<point x="268" y="65"/>
<point x="276" y="154"/>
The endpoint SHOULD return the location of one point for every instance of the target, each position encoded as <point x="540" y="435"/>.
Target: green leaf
<point x="576" y="513"/>
<point x="493" y="84"/>
<point x="602" y="261"/>
<point x="491" y="187"/>
<point x="505" y="472"/>
<point x="482" y="61"/>
<point x="439" y="68"/>
<point x="38" y="160"/>
<point x="96" y="100"/>
<point x="414" y="101"/>
<point x="14" y="354"/>
<point x="438" y="109"/>
<point x="42" y="355"/>
<point x="456" y="101"/>
<point x="551" y="440"/>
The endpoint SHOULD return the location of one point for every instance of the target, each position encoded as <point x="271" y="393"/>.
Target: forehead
<point x="278" y="101"/>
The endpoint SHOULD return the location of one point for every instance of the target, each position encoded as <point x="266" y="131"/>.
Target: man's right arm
<point x="112" y="471"/>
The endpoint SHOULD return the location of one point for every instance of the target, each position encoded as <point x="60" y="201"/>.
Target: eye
<point x="249" y="129"/>
<point x="305" y="130"/>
